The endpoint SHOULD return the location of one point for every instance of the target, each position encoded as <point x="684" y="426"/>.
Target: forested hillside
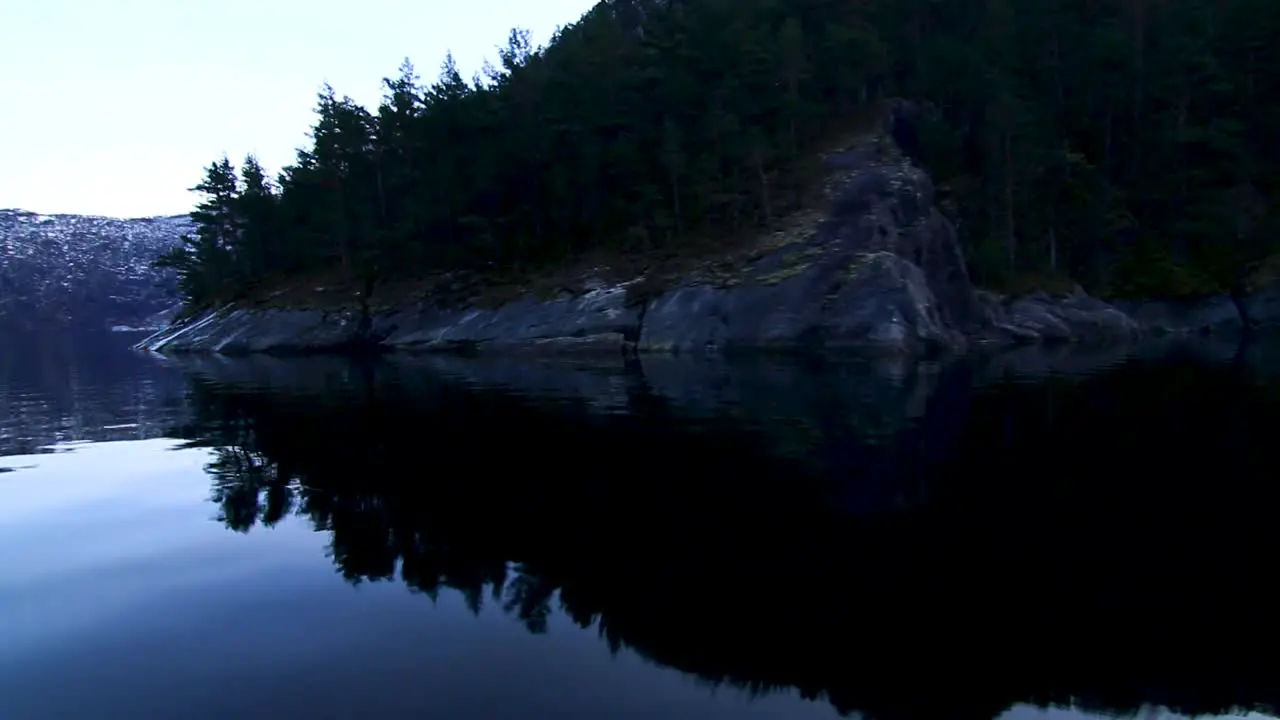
<point x="1130" y="145"/>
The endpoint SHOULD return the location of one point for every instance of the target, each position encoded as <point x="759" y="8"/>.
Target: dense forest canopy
<point x="1130" y="145"/>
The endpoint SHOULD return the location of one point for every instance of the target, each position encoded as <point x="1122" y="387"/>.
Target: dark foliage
<point x="1129" y="144"/>
<point x="992" y="560"/>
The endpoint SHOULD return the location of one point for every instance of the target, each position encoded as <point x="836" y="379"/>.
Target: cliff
<point x="875" y="267"/>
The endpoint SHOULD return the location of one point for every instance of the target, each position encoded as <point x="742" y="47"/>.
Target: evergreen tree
<point x="1128" y="144"/>
<point x="207" y="263"/>
<point x="256" y="214"/>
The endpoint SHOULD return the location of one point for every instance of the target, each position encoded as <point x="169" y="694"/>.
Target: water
<point x="1040" y="535"/>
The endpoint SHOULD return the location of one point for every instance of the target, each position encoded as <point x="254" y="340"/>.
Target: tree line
<point x="1130" y="145"/>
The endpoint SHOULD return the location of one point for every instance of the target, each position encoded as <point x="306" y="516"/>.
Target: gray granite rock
<point x="1211" y="315"/>
<point x="1261" y="309"/>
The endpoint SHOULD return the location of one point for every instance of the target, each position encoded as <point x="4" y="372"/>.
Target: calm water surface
<point x="1058" y="535"/>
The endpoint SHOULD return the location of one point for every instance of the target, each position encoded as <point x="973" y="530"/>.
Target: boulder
<point x="1261" y="308"/>
<point x="883" y="272"/>
<point x="1211" y="315"/>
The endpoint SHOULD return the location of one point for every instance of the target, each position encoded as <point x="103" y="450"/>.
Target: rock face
<point x="75" y="271"/>
<point x="1215" y="315"/>
<point x="1036" y="318"/>
<point x="1262" y="309"/>
<point x="239" y="331"/>
<point x="601" y="317"/>
<point x="880" y="271"/>
<point x="865" y="300"/>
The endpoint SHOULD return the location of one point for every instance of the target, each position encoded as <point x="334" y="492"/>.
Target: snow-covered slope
<point x="77" y="271"/>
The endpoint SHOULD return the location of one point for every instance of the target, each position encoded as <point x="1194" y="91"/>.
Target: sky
<point x="115" y="107"/>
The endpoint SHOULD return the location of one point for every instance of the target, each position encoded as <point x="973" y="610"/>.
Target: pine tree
<point x="1130" y="145"/>
<point x="256" y="250"/>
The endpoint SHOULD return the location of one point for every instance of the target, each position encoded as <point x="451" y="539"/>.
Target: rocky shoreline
<point x="881" y="271"/>
<point x="599" y="323"/>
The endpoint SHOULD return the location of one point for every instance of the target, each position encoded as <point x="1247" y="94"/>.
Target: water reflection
<point x="60" y="388"/>
<point x="946" y="540"/>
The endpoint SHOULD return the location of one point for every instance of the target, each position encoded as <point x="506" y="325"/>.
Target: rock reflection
<point x="941" y="540"/>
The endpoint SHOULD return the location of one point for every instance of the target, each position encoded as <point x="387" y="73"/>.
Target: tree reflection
<point x="1030" y="576"/>
<point x="247" y="489"/>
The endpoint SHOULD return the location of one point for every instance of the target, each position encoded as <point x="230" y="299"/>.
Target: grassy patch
<point x="791" y="265"/>
<point x="860" y="262"/>
<point x="329" y="290"/>
<point x="783" y="274"/>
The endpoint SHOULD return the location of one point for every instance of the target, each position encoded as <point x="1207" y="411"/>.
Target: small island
<point x="693" y="175"/>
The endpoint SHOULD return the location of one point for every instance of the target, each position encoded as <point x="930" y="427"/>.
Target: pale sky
<point x="114" y="107"/>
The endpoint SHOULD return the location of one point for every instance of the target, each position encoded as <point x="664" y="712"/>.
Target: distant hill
<point x="84" y="272"/>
